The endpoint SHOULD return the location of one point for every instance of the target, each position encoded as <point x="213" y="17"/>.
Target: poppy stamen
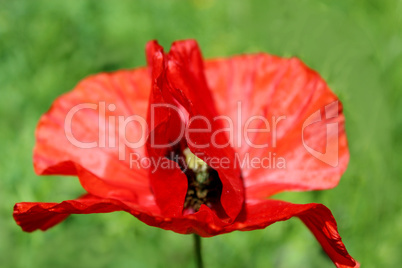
<point x="204" y="185"/>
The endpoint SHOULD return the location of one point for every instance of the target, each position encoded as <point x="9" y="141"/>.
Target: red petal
<point x="178" y="81"/>
<point x="32" y="216"/>
<point x="188" y="85"/>
<point x="203" y="222"/>
<point x="272" y="87"/>
<point x="169" y="185"/>
<point x="317" y="217"/>
<point x="98" y="187"/>
<point x="105" y="99"/>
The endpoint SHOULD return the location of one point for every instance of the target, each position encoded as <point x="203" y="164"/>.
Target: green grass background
<point x="46" y="47"/>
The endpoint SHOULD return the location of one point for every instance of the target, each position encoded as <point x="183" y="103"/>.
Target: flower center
<point x="204" y="185"/>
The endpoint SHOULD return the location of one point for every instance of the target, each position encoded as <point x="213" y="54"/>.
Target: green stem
<point x="197" y="250"/>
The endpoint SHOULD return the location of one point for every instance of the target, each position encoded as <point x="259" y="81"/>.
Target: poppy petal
<point x="174" y="77"/>
<point x="169" y="185"/>
<point x="96" y="126"/>
<point x="297" y="117"/>
<point x="100" y="188"/>
<point x="187" y="83"/>
<point x="317" y="217"/>
<point x="32" y="216"/>
<point x="204" y="222"/>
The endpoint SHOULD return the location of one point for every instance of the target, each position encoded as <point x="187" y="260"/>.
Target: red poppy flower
<point x="122" y="135"/>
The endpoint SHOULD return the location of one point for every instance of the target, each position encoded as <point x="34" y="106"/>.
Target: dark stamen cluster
<point x="204" y="185"/>
<point x="205" y="192"/>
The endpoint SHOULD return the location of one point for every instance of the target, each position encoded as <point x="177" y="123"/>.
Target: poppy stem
<point x="197" y="250"/>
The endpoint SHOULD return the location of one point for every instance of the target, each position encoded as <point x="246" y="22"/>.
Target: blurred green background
<point x="46" y="47"/>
